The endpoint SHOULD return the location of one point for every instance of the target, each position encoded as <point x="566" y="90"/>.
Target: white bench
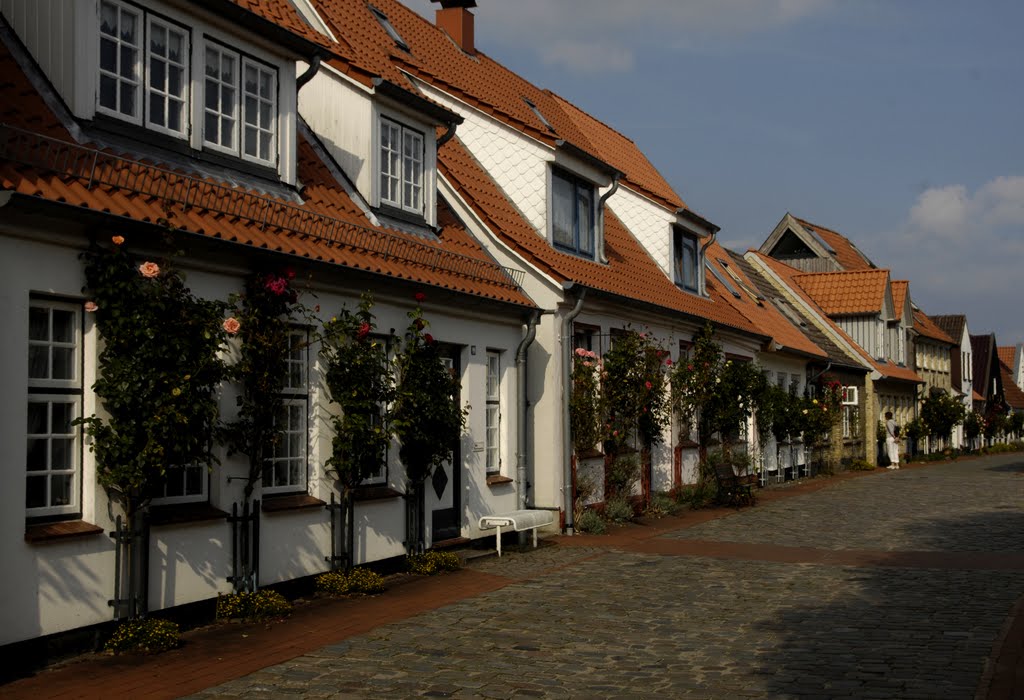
<point x="518" y="520"/>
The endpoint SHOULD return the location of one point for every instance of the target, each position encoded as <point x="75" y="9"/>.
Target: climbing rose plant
<point x="635" y="391"/>
<point x="263" y="315"/>
<point x="358" y="376"/>
<point x="158" y="372"/>
<point x="942" y="413"/>
<point x="585" y="403"/>
<point x="426" y="418"/>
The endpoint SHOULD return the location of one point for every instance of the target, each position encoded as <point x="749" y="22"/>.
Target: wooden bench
<point x="734" y="489"/>
<point x="518" y="520"/>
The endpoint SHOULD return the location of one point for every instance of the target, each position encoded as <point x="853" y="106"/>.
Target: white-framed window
<point x="286" y="470"/>
<point x="167" y="77"/>
<point x="851" y="421"/>
<point x="220" y="106"/>
<point x="120" y="69"/>
<point x="53" y="448"/>
<point x="492" y="430"/>
<point x="850" y="396"/>
<point x="149" y="75"/>
<point x="259" y="112"/>
<point x="401" y="166"/>
<point x="185" y="484"/>
<point x="685" y="270"/>
<point x="572" y="214"/>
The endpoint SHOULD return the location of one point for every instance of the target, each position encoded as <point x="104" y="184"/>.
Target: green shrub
<point x="618" y="509"/>
<point x="258" y="605"/>
<point x="699" y="495"/>
<point x="661" y="504"/>
<point x="860" y="465"/>
<point x="622" y="474"/>
<point x="430" y="563"/>
<point x="356" y="581"/>
<point x="591" y="523"/>
<point x="148" y="634"/>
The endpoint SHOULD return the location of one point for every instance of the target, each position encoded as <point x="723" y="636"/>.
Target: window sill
<point x="374" y="493"/>
<point x="179" y="513"/>
<point x="590" y="454"/>
<point x="298" y="501"/>
<point x="498" y="480"/>
<point x="52" y="532"/>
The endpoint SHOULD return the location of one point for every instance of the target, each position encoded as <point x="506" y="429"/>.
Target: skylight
<point x="392" y="32"/>
<point x="720" y="278"/>
<point x="540" y="116"/>
<point x="819" y="239"/>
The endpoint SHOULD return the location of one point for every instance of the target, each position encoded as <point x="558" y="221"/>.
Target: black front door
<point x="444" y="487"/>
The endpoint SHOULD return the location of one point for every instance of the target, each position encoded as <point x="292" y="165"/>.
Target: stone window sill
<point x="59" y="531"/>
<point x="498" y="480"/>
<point x="298" y="501"/>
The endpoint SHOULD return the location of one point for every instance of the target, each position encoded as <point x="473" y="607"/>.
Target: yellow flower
<point x="175" y="391"/>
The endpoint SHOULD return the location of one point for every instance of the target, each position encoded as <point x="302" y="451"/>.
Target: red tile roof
<point x="900" y="289"/>
<point x="486" y="85"/>
<point x="846" y="293"/>
<point x="1012" y="392"/>
<point x="927" y="328"/>
<point x="789" y="276"/>
<point x="847" y="254"/>
<point x="768" y="320"/>
<point x="630" y="272"/>
<point x="1007" y="353"/>
<point x="38" y="159"/>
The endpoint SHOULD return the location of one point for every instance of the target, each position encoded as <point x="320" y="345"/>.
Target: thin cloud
<point x="961" y="251"/>
<point x="587" y="36"/>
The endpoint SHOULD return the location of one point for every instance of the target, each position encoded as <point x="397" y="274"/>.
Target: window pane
<point x="63" y="363"/>
<point x="108" y="92"/>
<point x="38" y="323"/>
<point x="38" y="362"/>
<point x="562" y="205"/>
<point x="108" y="55"/>
<point x="38" y="423"/>
<point x="35" y="492"/>
<point x="585" y="217"/>
<point x="194" y="481"/>
<point x="36" y="457"/>
<point x="61" y="454"/>
<point x="61" y="416"/>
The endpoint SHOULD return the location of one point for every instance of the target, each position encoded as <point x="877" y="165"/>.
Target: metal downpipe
<point x="523" y="407"/>
<point x="566" y="393"/>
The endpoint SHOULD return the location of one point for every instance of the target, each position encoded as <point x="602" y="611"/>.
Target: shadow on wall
<point x="76" y="579"/>
<point x="187" y="563"/>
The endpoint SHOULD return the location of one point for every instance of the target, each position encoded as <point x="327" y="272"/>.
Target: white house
<point x="128" y="119"/>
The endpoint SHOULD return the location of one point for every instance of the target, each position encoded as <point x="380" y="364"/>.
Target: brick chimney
<point x="455" y="18"/>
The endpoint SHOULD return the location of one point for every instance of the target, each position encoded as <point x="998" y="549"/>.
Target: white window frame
<point x="273" y="100"/>
<point x="411" y="154"/>
<point x="492" y="414"/>
<point x="851" y="396"/>
<point x="186" y="82"/>
<point x="139" y="64"/>
<point x="175" y="472"/>
<point x="222" y="52"/>
<point x="295" y="396"/>
<point x="47" y="390"/>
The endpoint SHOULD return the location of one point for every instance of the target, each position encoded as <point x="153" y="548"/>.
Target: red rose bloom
<point x="420" y="296"/>
<point x="429" y="338"/>
<point x="364" y="330"/>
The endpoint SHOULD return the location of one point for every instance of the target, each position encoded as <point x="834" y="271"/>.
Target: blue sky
<point x="899" y="123"/>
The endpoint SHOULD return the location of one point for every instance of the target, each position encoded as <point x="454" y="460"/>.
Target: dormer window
<point x="572" y="214"/>
<point x="684" y="260"/>
<point x="150" y="73"/>
<point x="401" y="166"/>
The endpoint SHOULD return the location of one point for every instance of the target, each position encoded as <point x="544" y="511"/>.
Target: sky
<point x="899" y="123"/>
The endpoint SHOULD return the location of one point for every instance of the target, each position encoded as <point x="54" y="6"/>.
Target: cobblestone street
<point x="894" y="585"/>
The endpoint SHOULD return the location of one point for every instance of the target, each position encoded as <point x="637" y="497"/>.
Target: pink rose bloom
<point x="648" y="385"/>
<point x="420" y="296"/>
<point x="588" y="364"/>
<point x="277" y="285"/>
<point x="117" y="240"/>
<point x="231" y="325"/>
<point x="149" y="269"/>
<point x="668" y="362"/>
<point x="90" y="306"/>
<point x="580" y="352"/>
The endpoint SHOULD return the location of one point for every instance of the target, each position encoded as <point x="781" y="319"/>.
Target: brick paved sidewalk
<point x="212" y="656"/>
